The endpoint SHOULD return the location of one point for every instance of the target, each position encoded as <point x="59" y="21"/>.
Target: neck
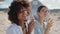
<point x="21" y="23"/>
<point x="41" y="21"/>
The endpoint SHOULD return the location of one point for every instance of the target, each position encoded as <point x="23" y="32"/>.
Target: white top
<point x="15" y="29"/>
<point x="38" y="28"/>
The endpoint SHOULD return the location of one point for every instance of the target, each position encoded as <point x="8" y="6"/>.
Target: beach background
<point x="5" y="23"/>
<point x="55" y="14"/>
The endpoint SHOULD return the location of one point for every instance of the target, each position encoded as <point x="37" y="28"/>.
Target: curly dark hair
<point x="14" y="9"/>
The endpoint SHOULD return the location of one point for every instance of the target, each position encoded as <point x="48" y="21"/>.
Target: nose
<point x="25" y="13"/>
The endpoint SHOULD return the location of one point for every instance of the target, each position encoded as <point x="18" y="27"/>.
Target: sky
<point x="51" y="4"/>
<point x="5" y="4"/>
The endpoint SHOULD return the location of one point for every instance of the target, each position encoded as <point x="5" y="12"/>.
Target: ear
<point x="38" y="13"/>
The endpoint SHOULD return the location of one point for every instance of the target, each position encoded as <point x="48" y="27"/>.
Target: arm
<point x="46" y="31"/>
<point x="24" y="30"/>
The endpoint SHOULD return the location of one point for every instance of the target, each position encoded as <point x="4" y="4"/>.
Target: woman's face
<point x="23" y="14"/>
<point x="43" y="12"/>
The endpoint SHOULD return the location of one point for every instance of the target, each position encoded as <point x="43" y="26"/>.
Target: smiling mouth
<point x="24" y="15"/>
<point x="45" y="15"/>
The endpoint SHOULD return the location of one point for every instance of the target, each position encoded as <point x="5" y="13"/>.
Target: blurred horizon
<point x="51" y="4"/>
<point x="2" y="0"/>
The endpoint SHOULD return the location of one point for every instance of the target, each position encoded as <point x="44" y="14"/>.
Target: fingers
<point x="50" y="23"/>
<point x="31" y="23"/>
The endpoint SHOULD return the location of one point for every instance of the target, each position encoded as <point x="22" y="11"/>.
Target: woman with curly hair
<point x="17" y="14"/>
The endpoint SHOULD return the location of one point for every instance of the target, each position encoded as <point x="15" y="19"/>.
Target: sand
<point x="5" y="23"/>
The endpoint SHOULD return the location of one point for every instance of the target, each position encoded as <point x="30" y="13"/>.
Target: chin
<point x="25" y="19"/>
<point x="45" y="15"/>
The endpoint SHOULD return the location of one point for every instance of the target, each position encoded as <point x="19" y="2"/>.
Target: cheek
<point x="19" y="16"/>
<point x="42" y="14"/>
<point x="45" y="14"/>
